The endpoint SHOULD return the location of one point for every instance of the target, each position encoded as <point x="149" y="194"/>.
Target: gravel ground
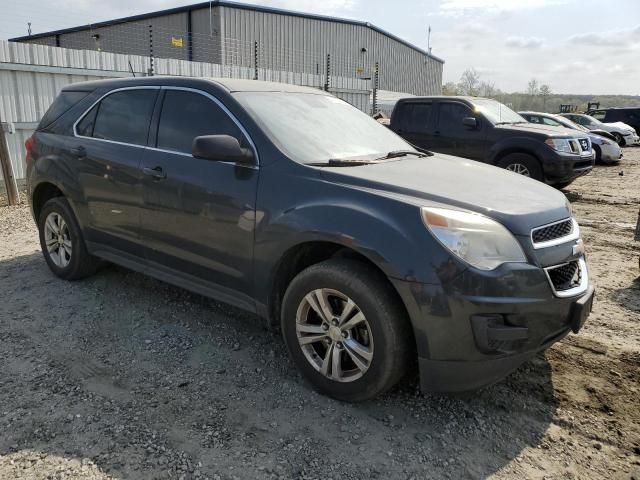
<point x="121" y="376"/>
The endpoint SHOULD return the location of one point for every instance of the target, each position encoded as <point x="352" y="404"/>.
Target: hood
<point x="541" y="130"/>
<point x="517" y="202"/>
<point x="620" y="126"/>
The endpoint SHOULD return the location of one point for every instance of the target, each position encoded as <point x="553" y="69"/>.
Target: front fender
<point x="520" y="144"/>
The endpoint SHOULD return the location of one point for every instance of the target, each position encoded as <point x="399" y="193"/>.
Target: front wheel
<point x="619" y="138"/>
<point x="346" y="330"/>
<point x="522" y="164"/>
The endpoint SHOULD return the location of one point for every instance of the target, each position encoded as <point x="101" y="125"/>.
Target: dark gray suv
<point x="288" y="202"/>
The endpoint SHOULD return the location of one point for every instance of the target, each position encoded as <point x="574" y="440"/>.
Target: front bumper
<point x="561" y="167"/>
<point x="610" y="153"/>
<point x="632" y="139"/>
<point x="477" y="329"/>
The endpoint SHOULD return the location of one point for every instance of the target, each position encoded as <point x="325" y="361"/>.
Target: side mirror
<point x="471" y="122"/>
<point x="222" y="148"/>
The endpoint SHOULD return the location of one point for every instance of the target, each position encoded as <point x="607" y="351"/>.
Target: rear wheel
<point x="346" y="330"/>
<point x="522" y="164"/>
<point x="61" y="241"/>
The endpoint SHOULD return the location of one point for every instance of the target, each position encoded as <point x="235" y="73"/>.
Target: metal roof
<point x="224" y="3"/>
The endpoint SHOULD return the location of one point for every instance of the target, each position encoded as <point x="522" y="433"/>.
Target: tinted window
<point x="85" y="126"/>
<point x="415" y="117"/>
<point x="125" y="116"/>
<point x="187" y="115"/>
<point x="61" y="105"/>
<point x="451" y="115"/>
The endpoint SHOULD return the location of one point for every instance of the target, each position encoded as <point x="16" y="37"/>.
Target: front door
<point x="198" y="217"/>
<point x="453" y="137"/>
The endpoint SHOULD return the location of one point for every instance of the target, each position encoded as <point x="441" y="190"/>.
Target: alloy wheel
<point x="334" y="335"/>
<point x="519" y="168"/>
<point x="57" y="238"/>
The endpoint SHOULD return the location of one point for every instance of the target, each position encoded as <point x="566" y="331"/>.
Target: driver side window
<point x="450" y="118"/>
<point x="187" y="115"/>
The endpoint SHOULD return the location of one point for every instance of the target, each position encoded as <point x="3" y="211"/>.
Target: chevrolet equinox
<point x="290" y="203"/>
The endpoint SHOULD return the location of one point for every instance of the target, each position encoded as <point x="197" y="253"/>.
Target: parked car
<point x="488" y="131"/>
<point x="627" y="115"/>
<point x="623" y="133"/>
<point x="606" y="150"/>
<point x="290" y="203"/>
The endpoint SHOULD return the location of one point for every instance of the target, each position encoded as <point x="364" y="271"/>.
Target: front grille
<point x="584" y="144"/>
<point x="552" y="232"/>
<point x="565" y="277"/>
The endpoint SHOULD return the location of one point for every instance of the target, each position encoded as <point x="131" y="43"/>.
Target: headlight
<point x="476" y="239"/>
<point x="559" y="144"/>
<point x="605" y="141"/>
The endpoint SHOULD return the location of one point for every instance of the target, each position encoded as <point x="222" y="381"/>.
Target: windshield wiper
<point x="401" y="153"/>
<point x="341" y="162"/>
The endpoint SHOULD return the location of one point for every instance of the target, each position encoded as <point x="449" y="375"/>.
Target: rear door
<point x="452" y="137"/>
<point x="415" y="123"/>
<point x="199" y="215"/>
<point x="109" y="142"/>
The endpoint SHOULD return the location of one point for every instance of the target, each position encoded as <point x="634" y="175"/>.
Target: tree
<point x="469" y="82"/>
<point x="450" y="88"/>
<point x="488" y="89"/>
<point x="545" y="91"/>
<point x="532" y="87"/>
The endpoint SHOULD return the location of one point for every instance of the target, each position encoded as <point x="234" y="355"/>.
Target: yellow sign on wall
<point x="176" y="41"/>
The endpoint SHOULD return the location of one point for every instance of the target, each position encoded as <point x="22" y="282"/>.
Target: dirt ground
<point x="120" y="376"/>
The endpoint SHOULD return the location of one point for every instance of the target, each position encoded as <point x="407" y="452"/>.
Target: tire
<point x="562" y="185"/>
<point x="520" y="163"/>
<point x="619" y="138"/>
<point x="596" y="149"/>
<point x="384" y="337"/>
<point x="76" y="263"/>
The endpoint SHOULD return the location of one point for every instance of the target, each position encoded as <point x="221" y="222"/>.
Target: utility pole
<point x="7" y="170"/>
<point x="29" y="28"/>
<point x="429" y="40"/>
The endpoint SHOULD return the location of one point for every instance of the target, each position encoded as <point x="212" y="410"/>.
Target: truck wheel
<point x="61" y="241"/>
<point x="346" y="330"/>
<point x="522" y="164"/>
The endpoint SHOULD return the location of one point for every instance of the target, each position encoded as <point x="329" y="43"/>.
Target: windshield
<point x="592" y="121"/>
<point x="312" y="128"/>
<point x="496" y="112"/>
<point x="569" y="124"/>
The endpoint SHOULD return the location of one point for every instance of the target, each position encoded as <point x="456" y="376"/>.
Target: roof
<point x="229" y="84"/>
<point x="224" y="3"/>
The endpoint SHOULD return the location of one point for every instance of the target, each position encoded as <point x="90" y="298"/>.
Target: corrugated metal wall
<point x="286" y="43"/>
<point x="32" y="75"/>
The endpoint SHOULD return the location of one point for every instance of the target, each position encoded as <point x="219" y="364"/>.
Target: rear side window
<point x="599" y="115"/>
<point x="415" y="117"/>
<point x="60" y="106"/>
<point x="187" y="115"/>
<point x="120" y="117"/>
<point x="451" y="115"/>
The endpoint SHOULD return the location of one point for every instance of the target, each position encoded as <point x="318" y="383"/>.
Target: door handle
<point x="79" y="152"/>
<point x="155" y="172"/>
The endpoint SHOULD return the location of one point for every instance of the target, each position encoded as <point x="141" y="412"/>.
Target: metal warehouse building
<point x="247" y="35"/>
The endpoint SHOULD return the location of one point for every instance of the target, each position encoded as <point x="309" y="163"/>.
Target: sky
<point x="574" y="46"/>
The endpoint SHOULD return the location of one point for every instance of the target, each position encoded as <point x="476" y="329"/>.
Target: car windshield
<point x="312" y="128"/>
<point x="592" y="121"/>
<point x="496" y="112"/>
<point x="569" y="124"/>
